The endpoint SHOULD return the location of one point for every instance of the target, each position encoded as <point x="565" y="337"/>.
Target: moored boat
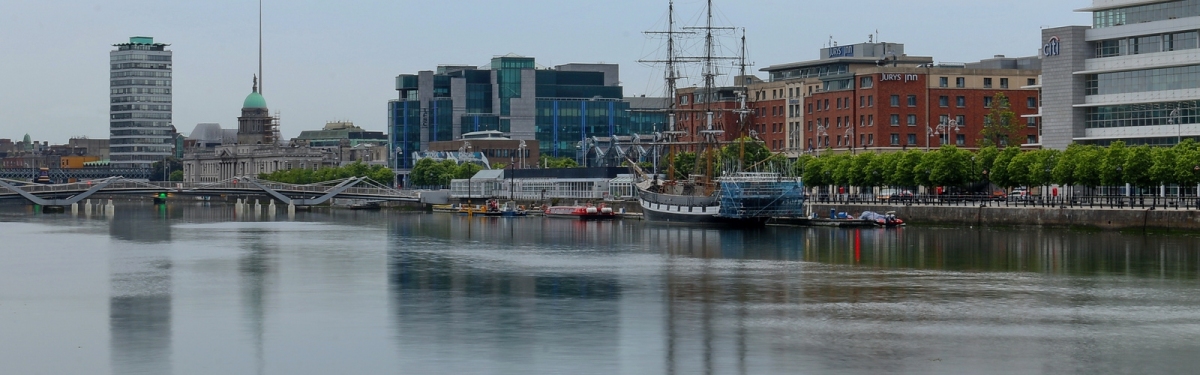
<point x="588" y="212"/>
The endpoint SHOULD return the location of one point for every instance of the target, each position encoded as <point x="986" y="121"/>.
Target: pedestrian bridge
<point x="291" y="194"/>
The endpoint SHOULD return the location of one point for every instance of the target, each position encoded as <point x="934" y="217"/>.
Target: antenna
<point x="260" y="46"/>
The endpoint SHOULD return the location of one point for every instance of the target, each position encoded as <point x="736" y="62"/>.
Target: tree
<point x="1137" y="167"/>
<point x="563" y="162"/>
<point x="1187" y="163"/>
<point x="882" y="166"/>
<point x="999" y="172"/>
<point x="685" y="162"/>
<point x="1019" y="168"/>
<point x="1113" y="165"/>
<point x="177" y="175"/>
<point x="1088" y="165"/>
<point x="1042" y="168"/>
<point x="949" y="167"/>
<point x="1162" y="170"/>
<point x="1000" y="123"/>
<point x="357" y="169"/>
<point x="1064" y="171"/>
<point x="906" y="165"/>
<point x="746" y="150"/>
<point x="158" y="173"/>
<point x="984" y="160"/>
<point x="814" y="172"/>
<point x="861" y="173"/>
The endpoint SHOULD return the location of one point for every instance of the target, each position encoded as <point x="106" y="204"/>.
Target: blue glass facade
<point x="569" y="104"/>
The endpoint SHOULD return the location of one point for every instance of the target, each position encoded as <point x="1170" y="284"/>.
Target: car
<point x="1019" y="194"/>
<point x="894" y="195"/>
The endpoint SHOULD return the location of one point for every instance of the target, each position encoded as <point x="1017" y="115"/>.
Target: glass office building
<point x="1133" y="75"/>
<point x="560" y="107"/>
<point x="140" y="131"/>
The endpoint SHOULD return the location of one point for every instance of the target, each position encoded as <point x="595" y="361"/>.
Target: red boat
<point x="588" y="212"/>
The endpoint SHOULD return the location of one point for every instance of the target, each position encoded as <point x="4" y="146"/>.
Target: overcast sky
<point x="336" y="60"/>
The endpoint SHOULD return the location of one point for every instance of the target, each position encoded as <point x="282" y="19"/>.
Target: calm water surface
<point x="199" y="290"/>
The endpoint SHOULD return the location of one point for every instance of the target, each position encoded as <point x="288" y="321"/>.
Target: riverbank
<point x="1095" y="218"/>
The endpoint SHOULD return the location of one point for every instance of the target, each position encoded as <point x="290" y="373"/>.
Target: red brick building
<point x="917" y="107"/>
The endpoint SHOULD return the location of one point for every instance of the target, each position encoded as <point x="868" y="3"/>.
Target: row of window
<point x="142" y="115"/>
<point x="1145" y="13"/>
<point x="140" y="57"/>
<point x="159" y="66"/>
<point x="138" y="124"/>
<point x="1146" y="44"/>
<point x="1150" y="114"/>
<point x="128" y="132"/>
<point x="140" y="82"/>
<point x="1176" y="78"/>
<point x="140" y="99"/>
<point x="140" y="107"/>
<point x="139" y="90"/>
<point x="138" y="73"/>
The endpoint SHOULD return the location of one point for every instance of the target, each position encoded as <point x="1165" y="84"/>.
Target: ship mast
<point x="672" y="76"/>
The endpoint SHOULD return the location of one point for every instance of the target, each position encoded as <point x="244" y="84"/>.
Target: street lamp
<point x="821" y="133"/>
<point x="521" y="149"/>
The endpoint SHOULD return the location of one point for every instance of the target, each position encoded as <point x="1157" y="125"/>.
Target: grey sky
<point x="327" y="60"/>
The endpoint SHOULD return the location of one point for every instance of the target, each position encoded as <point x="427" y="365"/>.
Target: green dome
<point x="254" y="100"/>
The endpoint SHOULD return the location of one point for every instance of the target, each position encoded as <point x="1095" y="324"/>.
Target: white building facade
<point x="1134" y="75"/>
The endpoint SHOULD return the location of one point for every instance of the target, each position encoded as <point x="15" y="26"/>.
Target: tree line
<point x="378" y="173"/>
<point x="1079" y="165"/>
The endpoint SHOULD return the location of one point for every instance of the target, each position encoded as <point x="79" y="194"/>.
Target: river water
<point x="199" y="290"/>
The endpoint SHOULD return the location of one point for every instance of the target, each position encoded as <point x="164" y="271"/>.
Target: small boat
<point x="450" y="208"/>
<point x="886" y="220"/>
<point x="588" y="212"/>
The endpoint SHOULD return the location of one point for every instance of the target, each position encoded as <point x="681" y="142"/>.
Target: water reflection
<point x="140" y="297"/>
<point x="257" y="268"/>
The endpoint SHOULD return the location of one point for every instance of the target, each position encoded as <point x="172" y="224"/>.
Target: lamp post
<point x="821" y="134"/>
<point x="521" y="149"/>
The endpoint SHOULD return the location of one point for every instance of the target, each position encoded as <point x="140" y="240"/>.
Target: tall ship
<point x="732" y="194"/>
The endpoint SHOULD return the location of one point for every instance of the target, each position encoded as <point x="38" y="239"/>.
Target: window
<point x="1031" y="82"/>
<point x="810" y="128"/>
<point x="861" y="101"/>
<point x="987" y="102"/>
<point x="839" y="122"/>
<point x="1004" y="83"/>
<point x="1031" y="139"/>
<point x="870" y="120"/>
<point x="912" y="120"/>
<point x="960" y="120"/>
<point x="960" y="140"/>
<point x="895" y="139"/>
<point x="960" y="82"/>
<point x="1031" y="102"/>
<point x="944" y="101"/>
<point x="944" y="119"/>
<point x="871" y="139"/>
<point x="870" y="100"/>
<point x="839" y="103"/>
<point x="866" y="82"/>
<point x="895" y="100"/>
<point x="987" y="83"/>
<point x="912" y="138"/>
<point x="683" y="100"/>
<point x="1031" y="122"/>
<point x="862" y="120"/>
<point x="912" y="100"/>
<point x="895" y="120"/>
<point x="943" y="82"/>
<point x="810" y="107"/>
<point x="826" y="104"/>
<point x="961" y="101"/>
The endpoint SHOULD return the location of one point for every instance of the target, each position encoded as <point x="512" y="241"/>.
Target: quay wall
<point x="1097" y="218"/>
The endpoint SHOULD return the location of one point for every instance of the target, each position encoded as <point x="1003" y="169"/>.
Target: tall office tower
<point x="140" y="131"/>
<point x="1133" y="75"/>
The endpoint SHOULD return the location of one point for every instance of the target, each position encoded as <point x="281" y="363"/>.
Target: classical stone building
<point x="256" y="152"/>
